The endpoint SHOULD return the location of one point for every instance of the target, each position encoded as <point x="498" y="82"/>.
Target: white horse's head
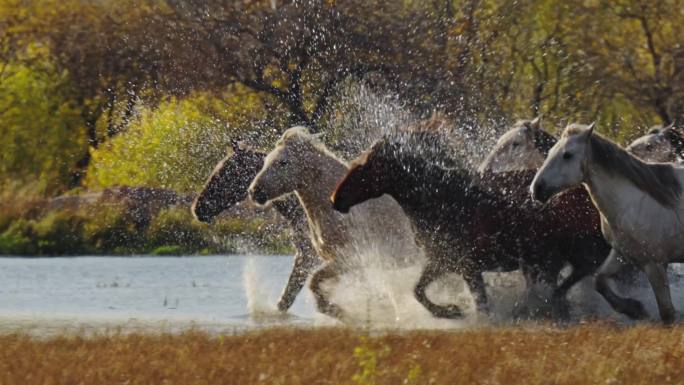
<point x="659" y="145"/>
<point x="288" y="167"/>
<point x="520" y="148"/>
<point x="565" y="166"/>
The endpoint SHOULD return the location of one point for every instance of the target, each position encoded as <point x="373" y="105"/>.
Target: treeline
<point x="95" y="94"/>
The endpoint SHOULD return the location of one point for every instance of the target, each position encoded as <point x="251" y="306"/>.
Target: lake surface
<point x="136" y="291"/>
<point x="225" y="293"/>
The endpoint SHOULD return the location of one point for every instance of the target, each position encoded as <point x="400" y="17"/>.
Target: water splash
<point x="259" y="303"/>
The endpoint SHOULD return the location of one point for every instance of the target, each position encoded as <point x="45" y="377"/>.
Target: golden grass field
<point x="583" y="354"/>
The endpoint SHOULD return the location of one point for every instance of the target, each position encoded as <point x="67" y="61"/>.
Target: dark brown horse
<point x="227" y="185"/>
<point x="471" y="228"/>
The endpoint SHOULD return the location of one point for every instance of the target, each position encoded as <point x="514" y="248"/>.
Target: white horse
<point x="523" y="147"/>
<point x="640" y="204"/>
<point x="661" y="144"/>
<point x="300" y="163"/>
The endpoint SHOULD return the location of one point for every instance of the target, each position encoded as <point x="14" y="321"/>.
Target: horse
<point x="301" y="163"/>
<point x="640" y="205"/>
<point x="523" y="147"/>
<point x="661" y="144"/>
<point x="469" y="229"/>
<point x="227" y="185"/>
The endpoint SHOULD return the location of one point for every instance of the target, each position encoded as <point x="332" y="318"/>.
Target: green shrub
<point x="17" y="239"/>
<point x="168" y="250"/>
<point x="107" y="230"/>
<point x="60" y="232"/>
<point x="176" y="227"/>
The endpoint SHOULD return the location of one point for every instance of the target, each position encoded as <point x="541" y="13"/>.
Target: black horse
<point x="227" y="185"/>
<point x="471" y="228"/>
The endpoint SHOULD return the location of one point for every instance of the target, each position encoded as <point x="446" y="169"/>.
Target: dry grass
<point x="586" y="354"/>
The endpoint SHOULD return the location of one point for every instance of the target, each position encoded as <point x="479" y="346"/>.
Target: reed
<point x="583" y="354"/>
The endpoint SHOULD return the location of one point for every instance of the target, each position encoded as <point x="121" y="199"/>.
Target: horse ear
<point x="234" y="145"/>
<point x="318" y="136"/>
<point x="670" y="127"/>
<point x="590" y="130"/>
<point x="536" y="123"/>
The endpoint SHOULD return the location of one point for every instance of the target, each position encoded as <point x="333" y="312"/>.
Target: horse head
<point x="367" y="178"/>
<point x="292" y="164"/>
<point x="659" y="145"/>
<point x="523" y="147"/>
<point x="566" y="163"/>
<point x="228" y="183"/>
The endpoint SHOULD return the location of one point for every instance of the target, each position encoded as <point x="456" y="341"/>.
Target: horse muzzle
<point x="258" y="195"/>
<point x="340" y="206"/>
<point x="541" y="192"/>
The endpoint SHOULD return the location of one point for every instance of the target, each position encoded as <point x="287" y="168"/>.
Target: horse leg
<point x="303" y="264"/>
<point x="560" y="293"/>
<point x="657" y="276"/>
<point x="547" y="274"/>
<point x="329" y="271"/>
<point x="477" y="287"/>
<point x="433" y="270"/>
<point x="610" y="267"/>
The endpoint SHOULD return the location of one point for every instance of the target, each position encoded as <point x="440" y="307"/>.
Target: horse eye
<point x="516" y="144"/>
<point x="649" y="147"/>
<point x="567" y="155"/>
<point x="282" y="162"/>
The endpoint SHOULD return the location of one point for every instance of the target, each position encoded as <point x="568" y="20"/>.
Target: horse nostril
<point x="339" y="206"/>
<point x="539" y="192"/>
<point x="258" y="195"/>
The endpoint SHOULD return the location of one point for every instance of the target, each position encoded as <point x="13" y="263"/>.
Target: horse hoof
<point x="635" y="310"/>
<point x="333" y="311"/>
<point x="449" y="312"/>
<point x="669" y="318"/>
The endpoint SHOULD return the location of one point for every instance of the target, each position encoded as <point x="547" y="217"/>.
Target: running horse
<point x="640" y="205"/>
<point x="523" y="147"/>
<point x="661" y="144"/>
<point x="469" y="229"/>
<point x="227" y="185"/>
<point x="301" y="163"/>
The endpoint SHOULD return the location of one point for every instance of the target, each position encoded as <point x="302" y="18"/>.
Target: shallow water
<point x="226" y="293"/>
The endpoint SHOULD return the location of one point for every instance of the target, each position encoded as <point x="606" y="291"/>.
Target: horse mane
<point x="656" y="179"/>
<point x="430" y="146"/>
<point x="435" y="123"/>
<point x="543" y="141"/>
<point x="676" y="139"/>
<point x="301" y="135"/>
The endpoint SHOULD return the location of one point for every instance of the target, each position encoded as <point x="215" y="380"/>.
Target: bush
<point x="60" y="232"/>
<point x="17" y="239"/>
<point x="176" y="227"/>
<point x="107" y="230"/>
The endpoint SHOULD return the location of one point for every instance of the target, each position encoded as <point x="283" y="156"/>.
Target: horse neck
<point x="427" y="185"/>
<point x="318" y="186"/>
<point x="290" y="209"/>
<point x="612" y="194"/>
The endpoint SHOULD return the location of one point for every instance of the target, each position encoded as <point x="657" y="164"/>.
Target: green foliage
<point x="42" y="132"/>
<point x="175" y="227"/>
<point x="16" y="239"/>
<point x="108" y="229"/>
<point x="169" y="250"/>
<point x="175" y="145"/>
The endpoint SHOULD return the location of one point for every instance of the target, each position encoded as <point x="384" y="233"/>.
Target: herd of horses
<point x="537" y="203"/>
